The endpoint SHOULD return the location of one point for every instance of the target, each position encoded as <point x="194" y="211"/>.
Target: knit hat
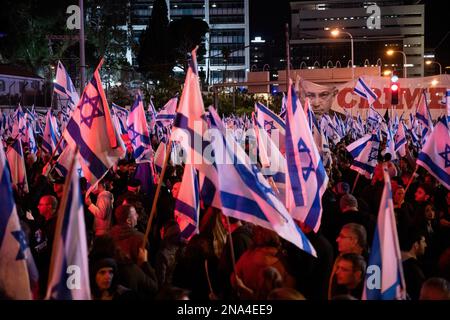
<point x="104" y="263"/>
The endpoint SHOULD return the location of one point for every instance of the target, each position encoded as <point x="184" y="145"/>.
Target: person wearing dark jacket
<point x="412" y="245"/>
<point x="41" y="240"/>
<point x="124" y="232"/>
<point x="135" y="272"/>
<point x="170" y="252"/>
<point x="104" y="284"/>
<point x="242" y="235"/>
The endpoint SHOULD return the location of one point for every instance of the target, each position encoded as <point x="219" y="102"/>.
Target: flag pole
<point x="208" y="278"/>
<point x="356" y="181"/>
<point x="158" y="189"/>
<point x="288" y="58"/>
<point x="53" y="154"/>
<point x="230" y="238"/>
<point x="411" y="179"/>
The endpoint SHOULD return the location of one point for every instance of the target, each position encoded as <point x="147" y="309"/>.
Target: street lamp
<point x="429" y="62"/>
<point x="335" y="33"/>
<point x="391" y="52"/>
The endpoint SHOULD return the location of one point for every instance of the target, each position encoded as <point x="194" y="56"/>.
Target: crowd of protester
<point x="258" y="264"/>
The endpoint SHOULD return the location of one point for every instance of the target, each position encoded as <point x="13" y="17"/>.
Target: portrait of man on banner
<point x="320" y="96"/>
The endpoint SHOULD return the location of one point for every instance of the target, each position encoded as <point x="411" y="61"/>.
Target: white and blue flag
<point x="435" y="154"/>
<point x="423" y="117"/>
<point x="14" y="249"/>
<point x="365" y="154"/>
<point x="400" y="140"/>
<point x="65" y="88"/>
<point x="246" y="195"/>
<point x="307" y="177"/>
<point x="91" y="130"/>
<point x="138" y="131"/>
<point x="364" y="91"/>
<point x="384" y="277"/>
<point x="274" y="125"/>
<point x="187" y="203"/>
<point x="69" y="272"/>
<point x="14" y="154"/>
<point x="120" y="116"/>
<point x="166" y="115"/>
<point x="51" y="135"/>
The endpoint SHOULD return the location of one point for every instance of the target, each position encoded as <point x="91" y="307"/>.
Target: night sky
<point x="267" y="19"/>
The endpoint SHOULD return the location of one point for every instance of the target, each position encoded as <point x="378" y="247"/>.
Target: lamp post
<point x="429" y="62"/>
<point x="335" y="33"/>
<point x="391" y="52"/>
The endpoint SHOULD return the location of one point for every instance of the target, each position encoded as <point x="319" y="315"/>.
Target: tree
<point x="154" y="59"/>
<point x="185" y="34"/>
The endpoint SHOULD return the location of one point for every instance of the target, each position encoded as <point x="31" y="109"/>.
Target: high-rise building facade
<point x="227" y="43"/>
<point x="398" y="25"/>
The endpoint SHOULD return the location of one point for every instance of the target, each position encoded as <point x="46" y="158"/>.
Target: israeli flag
<point x="138" y="131"/>
<point x="65" y="88"/>
<point x="51" y="136"/>
<point x="187" y="204"/>
<point x="307" y="179"/>
<point x="69" y="272"/>
<point x="423" y="117"/>
<point x="364" y="91"/>
<point x="272" y="161"/>
<point x="14" y="154"/>
<point x="400" y="140"/>
<point x="274" y="125"/>
<point x="14" y="249"/>
<point x="62" y="165"/>
<point x="166" y="115"/>
<point x="435" y="154"/>
<point x="246" y="195"/>
<point x="120" y="116"/>
<point x="384" y="276"/>
<point x="91" y="130"/>
<point x="365" y="154"/>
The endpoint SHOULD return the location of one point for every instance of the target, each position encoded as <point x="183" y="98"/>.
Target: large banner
<point x="340" y="97"/>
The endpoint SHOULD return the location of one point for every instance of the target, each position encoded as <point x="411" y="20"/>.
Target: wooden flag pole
<point x="53" y="154"/>
<point x="411" y="179"/>
<point x="356" y="181"/>
<point x="208" y="278"/>
<point x="158" y="189"/>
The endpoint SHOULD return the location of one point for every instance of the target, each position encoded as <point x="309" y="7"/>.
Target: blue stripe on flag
<point x="425" y="158"/>
<point x="207" y="192"/>
<point x="314" y="213"/>
<point x="242" y="204"/>
<point x="360" y="93"/>
<point x="96" y="166"/>
<point x="363" y="166"/>
<point x="6" y="196"/>
<point x="186" y="209"/>
<point x="368" y="90"/>
<point x="292" y="168"/>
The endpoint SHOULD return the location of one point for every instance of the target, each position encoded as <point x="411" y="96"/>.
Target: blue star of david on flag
<point x="268" y="125"/>
<point x="446" y="155"/>
<point x="134" y="134"/>
<point x="19" y="235"/>
<point x="303" y="149"/>
<point x="95" y="111"/>
<point x="373" y="155"/>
